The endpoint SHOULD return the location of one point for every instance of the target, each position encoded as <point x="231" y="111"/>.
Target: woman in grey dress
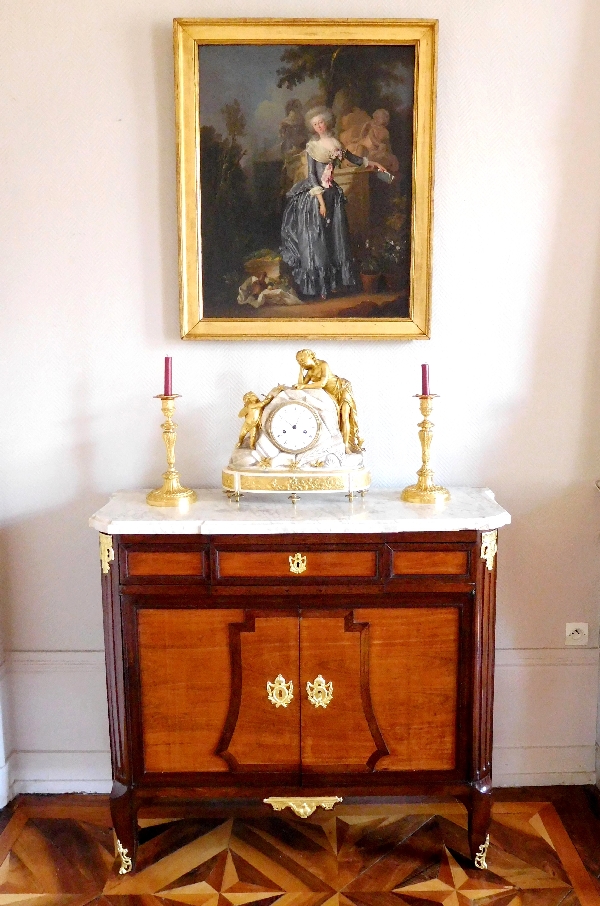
<point x="315" y="239"/>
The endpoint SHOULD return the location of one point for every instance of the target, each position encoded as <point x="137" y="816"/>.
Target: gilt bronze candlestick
<point x="171" y="493"/>
<point x="425" y="491"/>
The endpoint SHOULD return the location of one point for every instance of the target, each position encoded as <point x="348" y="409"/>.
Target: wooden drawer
<point x="410" y="561"/>
<point x="174" y="564"/>
<point x="296" y="564"/>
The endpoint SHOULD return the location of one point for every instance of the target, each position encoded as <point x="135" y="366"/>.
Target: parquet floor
<point x="59" y="851"/>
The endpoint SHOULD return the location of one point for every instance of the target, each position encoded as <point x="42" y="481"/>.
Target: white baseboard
<point x="59" y="766"/>
<point x="544" y="715"/>
<point x="547" y="700"/>
<point x="90" y="772"/>
<point x="58" y="701"/>
<point x="59" y="786"/>
<point x="5" y="742"/>
<point x="6" y="793"/>
<point x="564" y="778"/>
<point x="598" y="740"/>
<point x="60" y="772"/>
<point x="543" y="765"/>
<point x="60" y="723"/>
<point x="46" y="662"/>
<point x="547" y="657"/>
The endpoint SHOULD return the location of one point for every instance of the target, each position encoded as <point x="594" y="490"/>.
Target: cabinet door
<point x="413" y="678"/>
<point x="339" y="729"/>
<point x="185" y="680"/>
<point x="203" y="687"/>
<point x="389" y="689"/>
<point x="262" y="730"/>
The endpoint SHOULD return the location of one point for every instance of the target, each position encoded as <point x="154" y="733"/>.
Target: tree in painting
<point x="227" y="208"/>
<point x="366" y="77"/>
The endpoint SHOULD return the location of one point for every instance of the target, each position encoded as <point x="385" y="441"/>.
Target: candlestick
<point x="171" y="493"/>
<point x="168" y="376"/>
<point x="425" y="491"/>
<point x="424" y="380"/>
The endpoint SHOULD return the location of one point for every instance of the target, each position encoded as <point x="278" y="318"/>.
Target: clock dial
<point x="293" y="427"/>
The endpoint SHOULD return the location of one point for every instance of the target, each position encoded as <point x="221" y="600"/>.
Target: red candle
<point x="168" y="376"/>
<point x="424" y="380"/>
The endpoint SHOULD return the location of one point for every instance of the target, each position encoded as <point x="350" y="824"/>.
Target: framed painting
<point x="304" y="177"/>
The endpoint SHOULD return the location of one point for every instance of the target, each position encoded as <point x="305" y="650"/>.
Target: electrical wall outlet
<point x="576" y="634"/>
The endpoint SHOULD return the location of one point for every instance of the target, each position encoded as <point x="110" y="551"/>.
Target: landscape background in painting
<point x="252" y="138"/>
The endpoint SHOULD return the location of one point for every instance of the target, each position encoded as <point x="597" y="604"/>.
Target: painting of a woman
<point x="315" y="238"/>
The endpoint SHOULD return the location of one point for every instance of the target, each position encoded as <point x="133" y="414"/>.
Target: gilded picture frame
<point x="246" y="92"/>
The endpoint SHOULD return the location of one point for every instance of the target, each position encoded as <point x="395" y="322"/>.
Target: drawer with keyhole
<point x="296" y="564"/>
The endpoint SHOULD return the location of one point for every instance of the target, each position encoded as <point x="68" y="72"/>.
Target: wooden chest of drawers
<point x="243" y="667"/>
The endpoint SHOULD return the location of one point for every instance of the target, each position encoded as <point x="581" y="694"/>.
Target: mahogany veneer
<point x="241" y="564"/>
<point x="401" y="625"/>
<point x="429" y="563"/>
<point x="141" y="563"/>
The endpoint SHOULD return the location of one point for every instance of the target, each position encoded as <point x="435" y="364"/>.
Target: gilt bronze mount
<point x="302" y="807"/>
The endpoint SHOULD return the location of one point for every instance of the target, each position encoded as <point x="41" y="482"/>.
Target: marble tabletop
<point x="380" y="511"/>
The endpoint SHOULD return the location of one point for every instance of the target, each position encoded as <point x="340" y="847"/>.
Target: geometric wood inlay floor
<point x="403" y="855"/>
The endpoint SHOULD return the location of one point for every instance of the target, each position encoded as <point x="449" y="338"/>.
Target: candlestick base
<point x="171" y="493"/>
<point x="435" y="494"/>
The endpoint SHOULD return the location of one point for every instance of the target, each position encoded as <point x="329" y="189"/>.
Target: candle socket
<point x="425" y="491"/>
<point x="171" y="493"/>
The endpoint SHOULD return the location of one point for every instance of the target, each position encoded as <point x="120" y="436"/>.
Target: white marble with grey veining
<point x="127" y="513"/>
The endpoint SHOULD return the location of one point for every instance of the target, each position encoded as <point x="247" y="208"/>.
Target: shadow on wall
<point x="552" y="546"/>
<point x="553" y="574"/>
<point x="50" y="707"/>
<point x="52" y="579"/>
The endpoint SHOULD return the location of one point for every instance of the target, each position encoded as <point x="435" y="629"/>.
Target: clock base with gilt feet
<point x="324" y="481"/>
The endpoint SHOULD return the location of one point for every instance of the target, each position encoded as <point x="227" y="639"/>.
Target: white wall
<point x="88" y="265"/>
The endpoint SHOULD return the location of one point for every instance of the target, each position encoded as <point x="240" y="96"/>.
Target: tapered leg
<point x="478" y="801"/>
<point x="124" y="819"/>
